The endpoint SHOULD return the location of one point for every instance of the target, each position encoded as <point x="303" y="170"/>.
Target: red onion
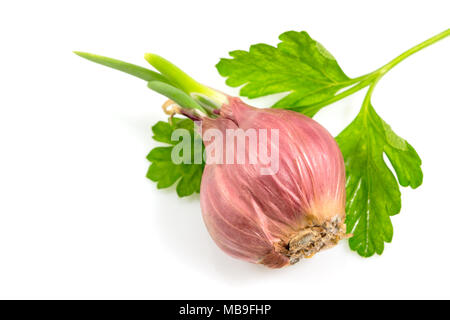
<point x="278" y="219"/>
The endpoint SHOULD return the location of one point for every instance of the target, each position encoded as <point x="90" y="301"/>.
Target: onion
<point x="276" y="219"/>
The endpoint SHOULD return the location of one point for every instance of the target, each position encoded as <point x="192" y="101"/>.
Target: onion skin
<point x="275" y="220"/>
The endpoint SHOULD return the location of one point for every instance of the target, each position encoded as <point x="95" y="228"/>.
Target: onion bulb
<point x="275" y="219"/>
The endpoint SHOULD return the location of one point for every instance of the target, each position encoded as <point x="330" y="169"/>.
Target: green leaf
<point x="298" y="66"/>
<point x="184" y="82"/>
<point x="163" y="170"/>
<point x="134" y="70"/>
<point x="175" y="94"/>
<point x="373" y="194"/>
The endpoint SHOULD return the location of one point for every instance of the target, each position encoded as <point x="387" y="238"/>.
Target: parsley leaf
<point x="312" y="79"/>
<point x="299" y="66"/>
<point x="373" y="194"/>
<point x="163" y="170"/>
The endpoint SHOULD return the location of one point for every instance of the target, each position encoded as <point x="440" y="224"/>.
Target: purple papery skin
<point x="250" y="215"/>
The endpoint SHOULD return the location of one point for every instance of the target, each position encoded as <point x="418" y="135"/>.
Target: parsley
<point x="299" y="65"/>
<point x="312" y="79"/>
<point x="373" y="194"/>
<point x="163" y="170"/>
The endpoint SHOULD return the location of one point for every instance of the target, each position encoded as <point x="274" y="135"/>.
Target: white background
<point x="78" y="218"/>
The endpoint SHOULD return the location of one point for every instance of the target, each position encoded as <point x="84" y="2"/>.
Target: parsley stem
<point x="366" y="80"/>
<point x="373" y="77"/>
<point x="411" y="51"/>
<point x="382" y="71"/>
